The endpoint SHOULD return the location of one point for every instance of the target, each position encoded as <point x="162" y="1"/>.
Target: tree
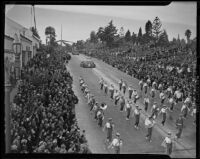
<point x="50" y="35"/>
<point x="35" y="32"/>
<point x="109" y="34"/>
<point x="128" y="36"/>
<point x="163" y="39"/>
<point x="133" y="38"/>
<point x="121" y="32"/>
<point x="156" y="29"/>
<point x="80" y="44"/>
<point x="139" y="39"/>
<point x="148" y="28"/>
<point x="93" y="37"/>
<point x="100" y="34"/>
<point x="188" y="34"/>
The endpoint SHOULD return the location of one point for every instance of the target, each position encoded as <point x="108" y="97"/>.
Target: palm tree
<point x="188" y="34"/>
<point x="50" y="33"/>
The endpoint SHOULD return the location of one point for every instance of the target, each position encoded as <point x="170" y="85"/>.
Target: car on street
<point x="75" y="53"/>
<point x="87" y="64"/>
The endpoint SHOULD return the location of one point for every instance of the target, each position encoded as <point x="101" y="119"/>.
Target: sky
<point x="78" y="21"/>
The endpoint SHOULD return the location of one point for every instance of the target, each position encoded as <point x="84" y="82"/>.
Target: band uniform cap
<point x="117" y="134"/>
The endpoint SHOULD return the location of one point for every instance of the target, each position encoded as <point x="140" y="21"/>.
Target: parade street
<point x="134" y="141"/>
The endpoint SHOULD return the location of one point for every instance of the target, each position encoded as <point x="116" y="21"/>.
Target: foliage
<point x="128" y="36"/>
<point x="156" y="28"/>
<point x="50" y="35"/>
<point x="35" y="32"/>
<point x="93" y="37"/>
<point x="163" y="39"/>
<point x="188" y="34"/>
<point x="107" y="34"/>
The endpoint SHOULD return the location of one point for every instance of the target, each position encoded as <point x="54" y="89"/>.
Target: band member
<point x="163" y="111"/>
<point x="145" y="87"/>
<point x="162" y="97"/>
<point x="100" y="117"/>
<point x="160" y="87"/>
<point x="149" y="124"/>
<point x="141" y="84"/>
<point x="153" y="93"/>
<point x="117" y="96"/>
<point x="171" y="103"/>
<point x="124" y="85"/>
<point x="184" y="110"/>
<point x="101" y="83"/>
<point x="109" y="126"/>
<point x="146" y="103"/>
<point x="128" y="109"/>
<point x="111" y="91"/>
<point x="105" y="87"/>
<point x="179" y="126"/>
<point x="135" y="96"/>
<point x="149" y="82"/>
<point x="193" y="113"/>
<point x="116" y="144"/>
<point x="154" y="111"/>
<point x="120" y="84"/>
<point x="122" y="103"/>
<point x="167" y="143"/>
<point x="136" y="113"/>
<point x="130" y="91"/>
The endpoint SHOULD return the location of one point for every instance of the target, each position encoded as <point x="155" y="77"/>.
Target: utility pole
<point x="61" y="35"/>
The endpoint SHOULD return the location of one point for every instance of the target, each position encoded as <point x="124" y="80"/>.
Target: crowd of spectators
<point x="43" y="111"/>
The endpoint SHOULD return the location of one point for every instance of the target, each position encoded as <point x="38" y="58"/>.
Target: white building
<point x="28" y="43"/>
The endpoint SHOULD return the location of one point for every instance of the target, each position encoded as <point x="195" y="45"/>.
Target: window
<point x="27" y="48"/>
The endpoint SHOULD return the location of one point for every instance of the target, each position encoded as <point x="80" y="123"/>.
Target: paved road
<point x="134" y="140"/>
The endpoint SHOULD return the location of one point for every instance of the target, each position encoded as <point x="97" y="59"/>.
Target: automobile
<point x="88" y="57"/>
<point x="87" y="64"/>
<point x="75" y="53"/>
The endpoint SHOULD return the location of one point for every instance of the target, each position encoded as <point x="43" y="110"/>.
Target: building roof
<point x="7" y="36"/>
<point x="25" y="38"/>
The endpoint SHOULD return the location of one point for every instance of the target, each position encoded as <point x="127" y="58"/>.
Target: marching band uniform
<point x="109" y="127"/>
<point x="130" y="90"/>
<point x="146" y="103"/>
<point x="120" y="84"/>
<point x="116" y="144"/>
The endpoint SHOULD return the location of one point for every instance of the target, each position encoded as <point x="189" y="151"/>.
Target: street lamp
<point x="17" y="51"/>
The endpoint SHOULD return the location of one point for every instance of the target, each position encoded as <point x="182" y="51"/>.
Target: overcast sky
<point x="79" y="21"/>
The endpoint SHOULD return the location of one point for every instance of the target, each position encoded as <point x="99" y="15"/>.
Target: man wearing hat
<point x="128" y="109"/>
<point x="141" y="84"/>
<point x="179" y="126"/>
<point x="105" y="87"/>
<point x="124" y="87"/>
<point x="149" y="124"/>
<point x="111" y="91"/>
<point x="116" y="144"/>
<point x="167" y="143"/>
<point x="122" y="103"/>
<point x="146" y="102"/>
<point x="109" y="126"/>
<point x="136" y="113"/>
<point x="130" y="91"/>
<point x="135" y="96"/>
<point x="117" y="96"/>
<point x="154" y="110"/>
<point x="120" y="84"/>
<point x="145" y="87"/>
<point x="163" y="111"/>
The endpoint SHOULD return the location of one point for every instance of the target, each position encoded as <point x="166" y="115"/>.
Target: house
<point x="20" y="45"/>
